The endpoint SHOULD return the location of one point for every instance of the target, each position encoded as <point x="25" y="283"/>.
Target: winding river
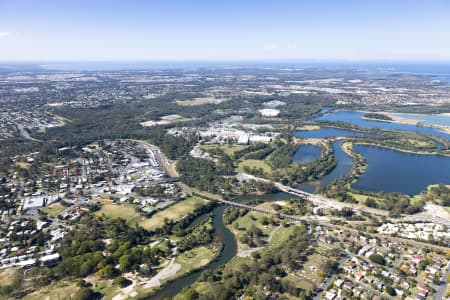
<point x="229" y="251"/>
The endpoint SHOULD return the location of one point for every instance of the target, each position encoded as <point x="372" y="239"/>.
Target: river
<point x="228" y="252"/>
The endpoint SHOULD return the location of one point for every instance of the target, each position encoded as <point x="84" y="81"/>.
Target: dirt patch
<point x="164" y="274"/>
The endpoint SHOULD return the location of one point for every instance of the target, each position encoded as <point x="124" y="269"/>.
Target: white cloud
<point x="4" y="34"/>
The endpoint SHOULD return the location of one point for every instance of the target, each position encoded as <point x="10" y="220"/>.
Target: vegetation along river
<point x="228" y="252"/>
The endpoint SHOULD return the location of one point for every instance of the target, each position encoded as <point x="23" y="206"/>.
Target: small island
<point x="377" y="116"/>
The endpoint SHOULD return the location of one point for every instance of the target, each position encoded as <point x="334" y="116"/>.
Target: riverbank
<point x="226" y="253"/>
<point x="402" y="150"/>
<point x="406" y="121"/>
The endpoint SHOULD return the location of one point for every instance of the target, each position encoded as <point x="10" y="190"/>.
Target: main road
<point x="316" y="199"/>
<point x="324" y="202"/>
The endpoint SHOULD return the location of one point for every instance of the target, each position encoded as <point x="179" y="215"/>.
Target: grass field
<point x="7" y="276"/>
<point x="54" y="209"/>
<point x="228" y="149"/>
<point x="253" y="163"/>
<point x="124" y="211"/>
<point x="194" y="259"/>
<point x="23" y="165"/>
<point x="173" y="212"/>
<point x="106" y="289"/>
<point x="310" y="272"/>
<point x="200" y="101"/>
<point x="129" y="213"/>
<point x="282" y="235"/>
<point x="57" y="290"/>
<point x="252" y="218"/>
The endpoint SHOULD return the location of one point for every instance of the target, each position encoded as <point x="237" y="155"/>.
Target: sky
<point x="231" y="30"/>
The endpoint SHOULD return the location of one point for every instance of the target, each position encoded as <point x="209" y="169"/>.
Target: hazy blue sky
<point x="229" y="30"/>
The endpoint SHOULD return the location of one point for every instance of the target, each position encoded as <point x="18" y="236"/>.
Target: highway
<point x="324" y="202"/>
<point x="267" y="211"/>
<point x="324" y="221"/>
<point x="318" y="200"/>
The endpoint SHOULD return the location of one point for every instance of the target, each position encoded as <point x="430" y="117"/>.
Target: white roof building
<point x="243" y="139"/>
<point x="268" y="112"/>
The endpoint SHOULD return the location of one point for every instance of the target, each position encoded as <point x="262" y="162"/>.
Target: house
<point x="416" y="259"/>
<point x="359" y="276"/>
<point x="348" y="286"/>
<point x="269" y="112"/>
<point x="50" y="259"/>
<point x="422" y="290"/>
<point x="338" y="283"/>
<point x="330" y="295"/>
<point x="243" y="139"/>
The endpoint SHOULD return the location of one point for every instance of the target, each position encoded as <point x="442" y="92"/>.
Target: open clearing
<point x="173" y="212"/>
<point x="57" y="290"/>
<point x="245" y="222"/>
<point x="54" y="209"/>
<point x="124" y="211"/>
<point x="194" y="259"/>
<point x="254" y="163"/>
<point x="228" y="149"/>
<point x="7" y="276"/>
<point x="200" y="101"/>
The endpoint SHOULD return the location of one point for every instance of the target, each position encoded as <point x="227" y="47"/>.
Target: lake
<point x="356" y="118"/>
<point x="343" y="166"/>
<point x="306" y="153"/>
<point x="325" y="132"/>
<point x="393" y="171"/>
<point x="443" y="120"/>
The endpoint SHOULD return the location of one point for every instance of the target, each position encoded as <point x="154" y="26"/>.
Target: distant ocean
<point x="439" y="70"/>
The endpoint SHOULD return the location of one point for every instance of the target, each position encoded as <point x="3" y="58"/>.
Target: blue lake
<point x="393" y="171"/>
<point x="307" y="153"/>
<point x="356" y="118"/>
<point x="325" y="132"/>
<point x="427" y="119"/>
<point x="388" y="170"/>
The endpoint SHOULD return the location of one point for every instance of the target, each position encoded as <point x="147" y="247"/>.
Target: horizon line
<point x="225" y="61"/>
